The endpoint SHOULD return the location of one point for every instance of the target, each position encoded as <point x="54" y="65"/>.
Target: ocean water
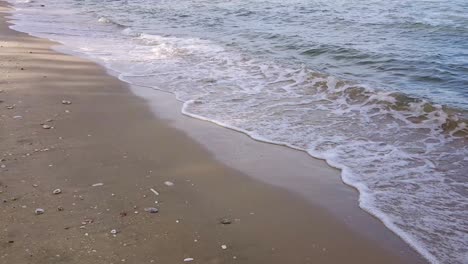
<point x="378" y="89"/>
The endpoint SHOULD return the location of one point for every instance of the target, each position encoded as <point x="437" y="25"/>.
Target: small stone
<point x="66" y="102"/>
<point x="188" y="259"/>
<point x="225" y="221"/>
<point x="114" y="231"/>
<point x="46" y="127"/>
<point x="39" y="211"/>
<point x="57" y="191"/>
<point x="11" y="241"/>
<point x="123" y="214"/>
<point x="98" y="184"/>
<point x="35" y="185"/>
<point x="9" y="107"/>
<point x="3" y="166"/>
<point x="224" y="247"/>
<point x="168" y="183"/>
<point x="151" y="210"/>
<point x="60" y="208"/>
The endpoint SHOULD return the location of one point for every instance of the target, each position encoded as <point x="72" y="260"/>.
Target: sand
<point x="107" y="135"/>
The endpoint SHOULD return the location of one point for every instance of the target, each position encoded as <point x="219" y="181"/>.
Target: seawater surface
<point x="378" y="89"/>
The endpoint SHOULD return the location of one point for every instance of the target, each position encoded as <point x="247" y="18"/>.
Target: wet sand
<point x="108" y="135"/>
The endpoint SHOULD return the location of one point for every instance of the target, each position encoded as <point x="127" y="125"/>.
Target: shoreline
<point x="91" y="134"/>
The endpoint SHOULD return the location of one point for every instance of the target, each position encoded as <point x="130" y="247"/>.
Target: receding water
<point x="376" y="88"/>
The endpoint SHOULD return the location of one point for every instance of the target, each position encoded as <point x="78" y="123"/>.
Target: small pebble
<point x="225" y="221"/>
<point x="223" y="246"/>
<point x="151" y="210"/>
<point x="188" y="259"/>
<point x="114" y="231"/>
<point x="57" y="191"/>
<point x="39" y="211"/>
<point x="46" y="127"/>
<point x="168" y="183"/>
<point x="66" y="102"/>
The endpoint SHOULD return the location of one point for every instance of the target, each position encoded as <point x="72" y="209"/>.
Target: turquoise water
<point x="376" y="88"/>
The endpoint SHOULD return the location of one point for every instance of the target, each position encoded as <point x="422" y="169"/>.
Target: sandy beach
<point x="66" y="124"/>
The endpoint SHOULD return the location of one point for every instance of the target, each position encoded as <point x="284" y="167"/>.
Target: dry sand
<point x="108" y="135"/>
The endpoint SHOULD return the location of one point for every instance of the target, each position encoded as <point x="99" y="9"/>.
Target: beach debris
<point x="98" y="184"/>
<point x="225" y="221"/>
<point x="57" y="191"/>
<point x="9" y="107"/>
<point x="224" y="247"/>
<point x="39" y="211"/>
<point x="168" y="183"/>
<point x="60" y="208"/>
<point x="86" y="221"/>
<point x="188" y="259"/>
<point x="46" y="126"/>
<point x="114" y="231"/>
<point x="151" y="210"/>
<point x="66" y="102"/>
<point x="154" y="191"/>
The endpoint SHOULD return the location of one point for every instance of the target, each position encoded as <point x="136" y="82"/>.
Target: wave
<point x="421" y="145"/>
<point x="106" y="20"/>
